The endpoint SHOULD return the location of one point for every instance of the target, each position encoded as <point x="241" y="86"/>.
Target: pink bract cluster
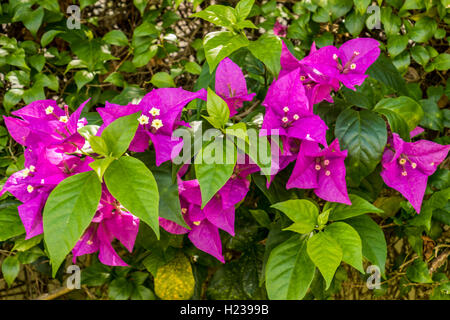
<point x="53" y="149"/>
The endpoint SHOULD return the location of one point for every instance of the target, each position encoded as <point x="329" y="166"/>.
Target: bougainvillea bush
<point x="235" y="150"/>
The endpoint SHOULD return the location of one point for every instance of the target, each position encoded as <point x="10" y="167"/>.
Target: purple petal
<point x="304" y="175"/>
<point x="416" y="131"/>
<point x="36" y="111"/>
<point x="311" y="128"/>
<point x="166" y="147"/>
<point x="124" y="227"/>
<point x="31" y="215"/>
<point x="426" y="154"/>
<point x="287" y="60"/>
<point x="333" y="187"/>
<point x="170" y="102"/>
<point x="72" y="124"/>
<point x="107" y="255"/>
<point x="206" y="238"/>
<point x="219" y="216"/>
<point x="412" y="186"/>
<point x="172" y="227"/>
<point x="88" y="244"/>
<point x="368" y="51"/>
<point x="230" y="81"/>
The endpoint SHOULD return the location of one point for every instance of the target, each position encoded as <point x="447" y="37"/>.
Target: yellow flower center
<point x="327" y="173"/>
<point x="157" y="123"/>
<point x="154" y="111"/>
<point x="285" y="119"/>
<point x="30" y="189"/>
<point x="286" y="109"/>
<point x="326" y="162"/>
<point x="353" y="66"/>
<point x="404" y="173"/>
<point x="143" y="119"/>
<point x="25" y="172"/>
<point x="317" y="167"/>
<point x="63" y="119"/>
<point x="49" y="110"/>
<point x="197" y="223"/>
<point x="296" y="117"/>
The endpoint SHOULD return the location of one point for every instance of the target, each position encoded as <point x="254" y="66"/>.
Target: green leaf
<point x="218" y="110"/>
<point x="267" y="48"/>
<point x="420" y="54"/>
<point x="397" y="44"/>
<point x="33" y="20"/>
<point x="342" y="211"/>
<point x="85" y="3"/>
<point x="354" y="22"/>
<point x="418" y="272"/>
<point x="120" y="288"/>
<point x="220" y="44"/>
<point x="238" y="130"/>
<point x="220" y="15"/>
<point x="100" y="166"/>
<point x="397" y="123"/>
<point x="11" y="98"/>
<point x="384" y="71"/>
<point x="363" y="133"/>
<point x="243" y="8"/>
<point x="261" y="217"/>
<point x="322" y="219"/>
<point x="433" y="117"/>
<point x="24" y="245"/>
<point x="68" y="212"/>
<point x="349" y="241"/>
<point x="442" y="62"/>
<point x="408" y="109"/>
<point x="373" y="241"/>
<point x="17" y="58"/>
<point x="326" y="254"/>
<point x="289" y="270"/>
<point x="116" y="79"/>
<point x="361" y="5"/>
<point x="142" y="293"/>
<point x="303" y="212"/>
<point x="138" y="192"/>
<point x="141" y="59"/>
<point x="98" y="145"/>
<point x="36" y="92"/>
<point x="213" y="167"/>
<point x="10" y="223"/>
<point x="162" y="80"/>
<point x="169" y="204"/>
<point x="140" y="5"/>
<point x="118" y="134"/>
<point x="10" y="269"/>
<point x="83" y="77"/>
<point x="193" y="67"/>
<point x="37" y="61"/>
<point x="423" y="30"/>
<point x="116" y="37"/>
<point x="49" y="36"/>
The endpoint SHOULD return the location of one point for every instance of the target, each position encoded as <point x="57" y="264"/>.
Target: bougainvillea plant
<point x="182" y="163"/>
